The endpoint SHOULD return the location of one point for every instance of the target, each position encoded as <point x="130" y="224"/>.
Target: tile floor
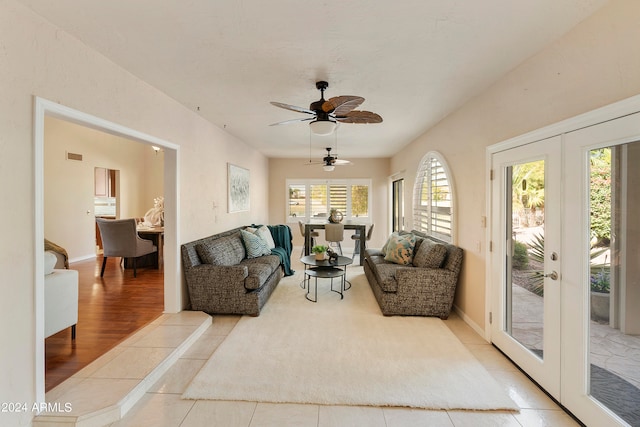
<point x="162" y="405"/>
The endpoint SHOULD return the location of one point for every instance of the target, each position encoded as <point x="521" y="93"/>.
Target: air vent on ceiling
<point x="74" y="156"/>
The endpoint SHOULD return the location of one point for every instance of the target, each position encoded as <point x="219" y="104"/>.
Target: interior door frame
<point x="173" y="292"/>
<point x="397" y="198"/>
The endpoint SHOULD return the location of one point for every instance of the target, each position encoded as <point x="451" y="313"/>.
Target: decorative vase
<point x="335" y="216"/>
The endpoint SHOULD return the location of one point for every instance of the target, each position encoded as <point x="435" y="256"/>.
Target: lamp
<point x="328" y="168"/>
<point x="322" y="127"/>
<point x="156" y="149"/>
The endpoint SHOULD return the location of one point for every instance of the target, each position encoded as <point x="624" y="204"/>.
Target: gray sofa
<point x="411" y="290"/>
<point x="221" y="279"/>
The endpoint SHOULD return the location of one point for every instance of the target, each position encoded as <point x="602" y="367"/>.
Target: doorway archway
<point x="173" y="293"/>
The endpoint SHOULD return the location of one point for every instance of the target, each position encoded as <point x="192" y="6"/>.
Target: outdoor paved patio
<point x="610" y="348"/>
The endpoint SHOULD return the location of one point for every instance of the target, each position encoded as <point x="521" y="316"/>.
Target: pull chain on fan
<point x="330" y="161"/>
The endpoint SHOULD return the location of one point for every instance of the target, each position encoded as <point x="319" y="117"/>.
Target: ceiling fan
<point x="325" y="114"/>
<point x="329" y="162"/>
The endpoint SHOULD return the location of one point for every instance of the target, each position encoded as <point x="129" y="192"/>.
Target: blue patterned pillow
<point x="399" y="248"/>
<point x="255" y="245"/>
<point x="384" y="248"/>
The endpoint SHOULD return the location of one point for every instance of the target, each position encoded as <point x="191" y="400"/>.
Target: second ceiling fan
<point x="325" y="114"/>
<point x="329" y="162"/>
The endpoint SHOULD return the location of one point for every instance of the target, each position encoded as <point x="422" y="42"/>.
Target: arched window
<point x="433" y="198"/>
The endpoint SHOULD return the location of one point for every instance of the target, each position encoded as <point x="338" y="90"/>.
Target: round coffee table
<point x="318" y="265"/>
<point x="323" y="273"/>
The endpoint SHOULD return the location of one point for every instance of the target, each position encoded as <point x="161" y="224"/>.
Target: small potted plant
<point x="319" y="251"/>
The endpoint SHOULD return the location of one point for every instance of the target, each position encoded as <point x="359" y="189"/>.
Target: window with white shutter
<point x="433" y="198"/>
<point x="313" y="198"/>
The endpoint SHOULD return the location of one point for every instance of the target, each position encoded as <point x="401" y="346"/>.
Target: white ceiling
<point x="414" y="61"/>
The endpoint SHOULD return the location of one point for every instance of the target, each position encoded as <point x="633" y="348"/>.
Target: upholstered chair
<point x="334" y="233"/>
<point x="356" y="237"/>
<point x="120" y="239"/>
<point x="313" y="236"/>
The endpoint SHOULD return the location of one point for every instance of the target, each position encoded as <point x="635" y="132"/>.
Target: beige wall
<point x="38" y="59"/>
<point x="376" y="169"/>
<point x="69" y="184"/>
<point x="595" y="64"/>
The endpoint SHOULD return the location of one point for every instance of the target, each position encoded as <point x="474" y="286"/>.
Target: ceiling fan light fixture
<point x="322" y="127"/>
<point x="328" y="168"/>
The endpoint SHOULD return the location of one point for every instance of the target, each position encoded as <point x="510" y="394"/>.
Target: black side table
<point x="324" y="273"/>
<point x="325" y="264"/>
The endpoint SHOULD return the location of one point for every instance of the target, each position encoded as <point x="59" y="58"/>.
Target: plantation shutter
<point x="433" y="213"/>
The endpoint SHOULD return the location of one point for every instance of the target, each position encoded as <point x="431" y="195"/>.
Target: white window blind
<point x="433" y="198"/>
<point x="308" y="199"/>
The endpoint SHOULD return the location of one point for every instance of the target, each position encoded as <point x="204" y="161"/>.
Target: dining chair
<point x="334" y="233"/>
<point x="312" y="234"/>
<point x="120" y="239"/>
<point x="356" y="237"/>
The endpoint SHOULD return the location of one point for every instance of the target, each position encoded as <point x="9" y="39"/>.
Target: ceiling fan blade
<point x="341" y="105"/>
<point x="341" y="162"/>
<point x="288" y="122"/>
<point x="293" y="108"/>
<point x="359" y="117"/>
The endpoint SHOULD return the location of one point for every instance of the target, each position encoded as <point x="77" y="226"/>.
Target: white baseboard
<point x="480" y="331"/>
<point x="82" y="258"/>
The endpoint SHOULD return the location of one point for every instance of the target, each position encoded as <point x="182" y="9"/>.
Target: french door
<point x="565" y="266"/>
<point x="527" y="258"/>
<point x="601" y="294"/>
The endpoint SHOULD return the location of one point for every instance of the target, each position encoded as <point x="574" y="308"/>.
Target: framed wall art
<point x="238" y="191"/>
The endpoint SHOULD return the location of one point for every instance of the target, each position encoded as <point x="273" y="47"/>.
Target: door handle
<point x="553" y="275"/>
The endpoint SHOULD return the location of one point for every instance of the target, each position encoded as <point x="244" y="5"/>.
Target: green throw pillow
<point x="255" y="245"/>
<point x="399" y="248"/>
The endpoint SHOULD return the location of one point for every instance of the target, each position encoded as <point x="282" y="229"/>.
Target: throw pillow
<point x="400" y="249"/>
<point x="228" y="250"/>
<point x="384" y="248"/>
<point x="255" y="245"/>
<point x="265" y="233"/>
<point x="429" y="254"/>
<point x="49" y="262"/>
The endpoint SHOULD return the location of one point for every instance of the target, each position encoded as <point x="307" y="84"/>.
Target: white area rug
<point x="345" y="352"/>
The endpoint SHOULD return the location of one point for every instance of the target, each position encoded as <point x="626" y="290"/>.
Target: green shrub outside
<point x="520" y="256"/>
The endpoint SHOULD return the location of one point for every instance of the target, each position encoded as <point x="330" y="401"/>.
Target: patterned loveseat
<point x="424" y="290"/>
<point x="221" y="279"/>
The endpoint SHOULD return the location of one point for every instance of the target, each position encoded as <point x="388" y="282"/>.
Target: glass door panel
<point x="398" y="205"/>
<point x="614" y="279"/>
<point x="524" y="293"/>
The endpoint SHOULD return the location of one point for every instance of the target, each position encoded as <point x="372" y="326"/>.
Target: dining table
<point x="310" y="226"/>
<point x="155" y="234"/>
